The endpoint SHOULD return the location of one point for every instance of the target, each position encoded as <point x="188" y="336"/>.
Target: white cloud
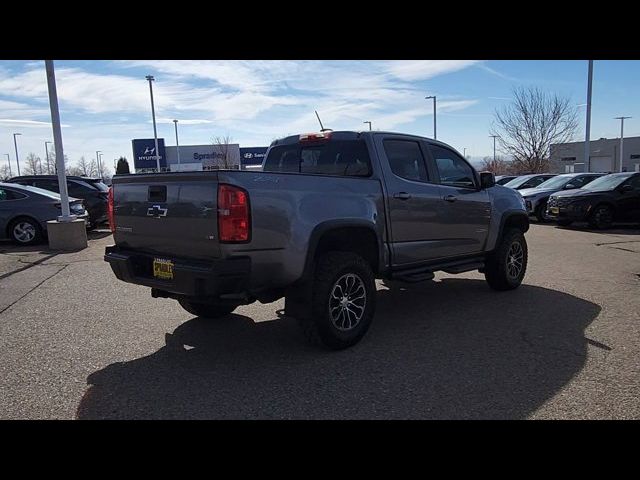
<point x="185" y="121"/>
<point x="27" y="123"/>
<point x="411" y="70"/>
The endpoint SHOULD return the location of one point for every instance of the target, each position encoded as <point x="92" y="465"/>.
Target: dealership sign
<point x="144" y="153"/>
<point x="252" y="155"/>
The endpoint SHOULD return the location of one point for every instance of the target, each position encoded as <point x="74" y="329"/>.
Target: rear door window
<point x="47" y="184"/>
<point x="406" y="159"/>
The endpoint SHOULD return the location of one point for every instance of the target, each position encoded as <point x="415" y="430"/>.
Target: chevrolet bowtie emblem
<point x="157" y="211"/>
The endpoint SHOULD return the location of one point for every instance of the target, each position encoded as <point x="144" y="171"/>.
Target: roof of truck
<point x="353" y="134"/>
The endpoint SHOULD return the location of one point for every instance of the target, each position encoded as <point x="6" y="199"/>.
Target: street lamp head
<point x="150" y="78"/>
<point x="175" y="121"/>
<point x="17" y="134"/>
<point x="430" y="96"/>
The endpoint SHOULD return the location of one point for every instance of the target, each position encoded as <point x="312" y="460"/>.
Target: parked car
<point x="502" y="179"/>
<point x="529" y="181"/>
<point x="329" y="213"/>
<point x="92" y="191"/>
<point x="536" y="198"/>
<point x="608" y="199"/>
<point x="25" y="210"/>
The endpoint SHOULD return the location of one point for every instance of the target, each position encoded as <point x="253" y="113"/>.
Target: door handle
<point x="402" y="196"/>
<point x="450" y="198"/>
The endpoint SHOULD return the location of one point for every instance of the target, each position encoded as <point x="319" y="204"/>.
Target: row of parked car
<point x="599" y="199"/>
<point x="28" y="202"/>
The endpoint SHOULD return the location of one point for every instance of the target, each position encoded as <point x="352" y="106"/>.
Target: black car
<point x="502" y="179"/>
<point x="531" y="180"/>
<point x="91" y="190"/>
<point x="608" y="199"/>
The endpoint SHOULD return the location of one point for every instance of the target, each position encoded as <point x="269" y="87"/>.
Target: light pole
<point x="621" y="137"/>
<point x="46" y="150"/>
<point x="9" y="162"/>
<point x="435" y="136"/>
<point x="494" y="145"/>
<point x="175" y="123"/>
<point x="98" y="161"/>
<point x="369" y="124"/>
<point x="57" y="142"/>
<point x="15" y="144"/>
<point x="465" y="153"/>
<point x="587" y="145"/>
<point x="153" y="115"/>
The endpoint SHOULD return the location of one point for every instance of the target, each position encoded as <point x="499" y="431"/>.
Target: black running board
<point x="427" y="272"/>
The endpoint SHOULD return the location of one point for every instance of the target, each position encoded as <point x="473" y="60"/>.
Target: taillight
<point x="234" y="222"/>
<point x="110" y="216"/>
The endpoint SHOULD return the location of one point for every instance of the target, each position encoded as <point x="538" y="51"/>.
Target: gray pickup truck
<point x="329" y="213"/>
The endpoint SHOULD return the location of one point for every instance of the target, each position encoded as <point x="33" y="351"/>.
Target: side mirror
<point x="487" y="180"/>
<point x="627" y="189"/>
<point x="569" y="186"/>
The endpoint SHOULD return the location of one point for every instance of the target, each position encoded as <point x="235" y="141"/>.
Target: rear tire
<point x="207" y="310"/>
<point x="343" y="300"/>
<point x="506" y="265"/>
<point x="25" y="231"/>
<point x="601" y="218"/>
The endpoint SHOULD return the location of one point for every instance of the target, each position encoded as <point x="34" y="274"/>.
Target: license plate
<point x="554" y="210"/>
<point x="163" y="268"/>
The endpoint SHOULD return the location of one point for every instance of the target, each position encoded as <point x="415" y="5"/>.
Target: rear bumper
<point x="190" y="278"/>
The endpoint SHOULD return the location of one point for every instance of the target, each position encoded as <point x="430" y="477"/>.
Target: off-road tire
<point x="497" y="267"/>
<point x="318" y="326"/>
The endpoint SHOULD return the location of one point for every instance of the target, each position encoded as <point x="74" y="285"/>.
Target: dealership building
<point x="604" y="156"/>
<point x="191" y="158"/>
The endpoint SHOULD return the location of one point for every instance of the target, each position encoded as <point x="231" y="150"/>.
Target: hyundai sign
<point x="252" y="155"/>
<point x="144" y="153"/>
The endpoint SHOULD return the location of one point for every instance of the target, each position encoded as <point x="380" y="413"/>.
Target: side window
<point x="405" y="159"/>
<point x="51" y="185"/>
<point x="582" y="181"/>
<point x="453" y="170"/>
<point x="6" y="194"/>
<point x="534" y="182"/>
<point x="634" y="182"/>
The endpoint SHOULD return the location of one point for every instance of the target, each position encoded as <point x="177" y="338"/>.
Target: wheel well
<point x="15" y="219"/>
<point x="360" y="240"/>
<point x="599" y="204"/>
<point x="521" y="222"/>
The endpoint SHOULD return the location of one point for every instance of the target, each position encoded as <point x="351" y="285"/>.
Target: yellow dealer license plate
<point x="163" y="268"/>
<point x="554" y="210"/>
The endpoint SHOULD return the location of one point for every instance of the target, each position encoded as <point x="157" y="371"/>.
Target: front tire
<point x="541" y="213"/>
<point x="207" y="310"/>
<point x="601" y="217"/>
<point x="506" y="265"/>
<point x="343" y="298"/>
<point x="25" y="231"/>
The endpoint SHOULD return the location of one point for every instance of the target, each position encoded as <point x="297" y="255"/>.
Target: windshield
<point x="608" y="182"/>
<point x="516" y="182"/>
<point x="555" y="182"/>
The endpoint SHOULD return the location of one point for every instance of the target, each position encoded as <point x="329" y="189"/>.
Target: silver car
<point x="25" y="210"/>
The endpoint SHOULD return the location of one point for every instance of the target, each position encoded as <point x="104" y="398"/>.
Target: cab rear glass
<point x="348" y="158"/>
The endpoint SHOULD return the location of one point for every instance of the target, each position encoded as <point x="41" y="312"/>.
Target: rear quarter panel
<point x="285" y="210"/>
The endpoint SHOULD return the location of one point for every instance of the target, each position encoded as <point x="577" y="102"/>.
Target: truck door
<point x="465" y="209"/>
<point x="412" y="199"/>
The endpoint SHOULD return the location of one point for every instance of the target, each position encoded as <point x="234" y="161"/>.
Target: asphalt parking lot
<point x="75" y="343"/>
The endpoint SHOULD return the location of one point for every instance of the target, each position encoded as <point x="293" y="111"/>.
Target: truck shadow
<point x="451" y="349"/>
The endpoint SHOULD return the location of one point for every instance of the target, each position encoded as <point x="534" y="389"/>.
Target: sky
<point x="104" y="104"/>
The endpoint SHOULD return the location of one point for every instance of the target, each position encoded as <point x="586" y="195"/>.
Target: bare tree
<point x="226" y="160"/>
<point x="499" y="166"/>
<point x="5" y="173"/>
<point x="32" y="164"/>
<point x="85" y="166"/>
<point x="531" y="123"/>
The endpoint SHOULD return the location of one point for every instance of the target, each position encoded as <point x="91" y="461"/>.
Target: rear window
<point x="100" y="186"/>
<point x="348" y="158"/>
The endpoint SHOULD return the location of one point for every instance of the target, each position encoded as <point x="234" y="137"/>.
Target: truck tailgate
<point x="172" y="214"/>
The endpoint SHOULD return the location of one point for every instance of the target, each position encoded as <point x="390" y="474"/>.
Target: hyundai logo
<point x="157" y="211"/>
<point x="148" y="151"/>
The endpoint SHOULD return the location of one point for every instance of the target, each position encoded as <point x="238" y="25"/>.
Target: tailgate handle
<point x="157" y="193"/>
